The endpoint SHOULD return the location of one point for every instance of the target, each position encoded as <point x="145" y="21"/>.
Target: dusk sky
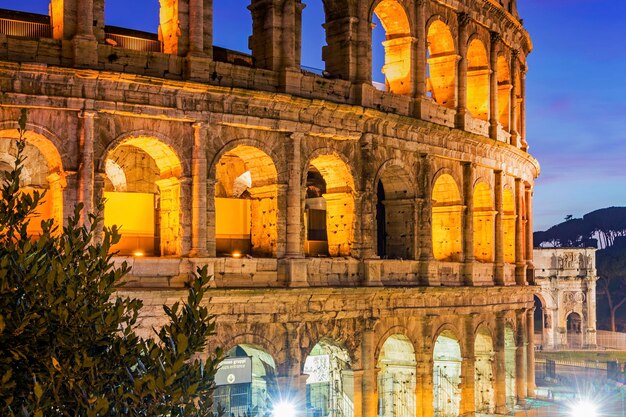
<point x="576" y="88"/>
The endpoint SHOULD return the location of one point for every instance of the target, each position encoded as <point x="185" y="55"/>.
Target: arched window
<point x="446" y="219"/>
<point x="446" y="375"/>
<point x="504" y="93"/>
<point x="394" y="214"/>
<point x="142" y="197"/>
<point x="442" y="64"/>
<point x="478" y="80"/>
<point x="246" y="194"/>
<point x="329" y="207"/>
<point x="396" y="377"/>
<point x="330" y="385"/>
<point x="483" y="223"/>
<point x="483" y="373"/>
<point x="397" y="45"/>
<point x="245" y="382"/>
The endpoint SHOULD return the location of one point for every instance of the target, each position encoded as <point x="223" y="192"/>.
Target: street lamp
<point x="583" y="408"/>
<point x="287" y="409"/>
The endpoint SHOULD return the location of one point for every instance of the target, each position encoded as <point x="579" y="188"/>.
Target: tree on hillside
<point x="67" y="340"/>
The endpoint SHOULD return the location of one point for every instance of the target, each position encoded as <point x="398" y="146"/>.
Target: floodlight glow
<point x="583" y="408"/>
<point x="284" y="409"/>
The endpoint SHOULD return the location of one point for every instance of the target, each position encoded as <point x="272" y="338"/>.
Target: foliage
<point x="67" y="340"/>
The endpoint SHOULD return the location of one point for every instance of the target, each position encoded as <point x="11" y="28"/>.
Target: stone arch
<point x="504" y="92"/>
<point x="330" y="385"/>
<point x="478" y="73"/>
<point x="40" y="151"/>
<point x="329" y="206"/>
<point x="396" y="377"/>
<point x="575" y="329"/>
<point x="442" y="63"/>
<point x="509" y="365"/>
<point x="153" y="172"/>
<point x="447" y="361"/>
<point x="508" y="225"/>
<point x="483" y="371"/>
<point x="246" y="201"/>
<point x="395" y="208"/>
<point x="253" y="388"/>
<point x="446" y="219"/>
<point x="398" y="44"/>
<point x="253" y="339"/>
<point x="393" y="331"/>
<point x="483" y="222"/>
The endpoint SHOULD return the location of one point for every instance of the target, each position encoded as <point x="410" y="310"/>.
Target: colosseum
<point x="370" y="247"/>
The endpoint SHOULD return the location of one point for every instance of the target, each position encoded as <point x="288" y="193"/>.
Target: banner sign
<point x="234" y="371"/>
<point x="318" y="369"/>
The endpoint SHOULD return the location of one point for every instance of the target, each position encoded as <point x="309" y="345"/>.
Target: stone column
<point x="199" y="174"/>
<point x="520" y="262"/>
<point x="530" y="268"/>
<point x="513" y="102"/>
<point x="196" y="27"/>
<point x="520" y="357"/>
<point x="294" y="200"/>
<point x="420" y="68"/>
<point x="499" y="231"/>
<point x="468" y="395"/>
<point x="265" y="41"/>
<point x="428" y="274"/>
<point x="522" y="104"/>
<point x="530" y="352"/>
<point x="340" y="53"/>
<point x="493" y="86"/>
<point x="84" y="20"/>
<point x="468" y="223"/>
<point x="86" y="170"/>
<point x="590" y="305"/>
<point x="461" y="109"/>
<point x="424" y="395"/>
<point x="369" y="393"/>
<point x="210" y="215"/>
<point x="98" y="195"/>
<point x="84" y="43"/>
<point x="357" y="378"/>
<point x="500" y="366"/>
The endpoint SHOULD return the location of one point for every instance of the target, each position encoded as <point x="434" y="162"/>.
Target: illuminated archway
<point x="245" y="382"/>
<point x="442" y="64"/>
<point x="509" y="366"/>
<point x="446" y="375"/>
<point x="43" y="172"/>
<point x="483" y="373"/>
<point x="478" y="80"/>
<point x="397" y="44"/>
<point x="396" y="378"/>
<point x="483" y="223"/>
<point x="446" y="223"/>
<point x="330" y="385"/>
<point x="504" y="93"/>
<point x="329" y="207"/>
<point x="394" y="214"/>
<point x="574" y="330"/>
<point x="508" y="225"/>
<point x="142" y="196"/>
<point x="246" y="208"/>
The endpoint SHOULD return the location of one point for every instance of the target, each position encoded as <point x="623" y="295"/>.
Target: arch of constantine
<point x="371" y="249"/>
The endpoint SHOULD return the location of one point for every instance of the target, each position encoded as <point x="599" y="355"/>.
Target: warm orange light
<point x="138" y="253"/>
<point x="236" y="254"/>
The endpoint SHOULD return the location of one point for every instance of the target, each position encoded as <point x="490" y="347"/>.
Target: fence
<point x="13" y="27"/>
<point x="611" y="340"/>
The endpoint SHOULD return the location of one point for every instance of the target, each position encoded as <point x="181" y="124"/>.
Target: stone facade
<point x="389" y="230"/>
<point x="567" y="278"/>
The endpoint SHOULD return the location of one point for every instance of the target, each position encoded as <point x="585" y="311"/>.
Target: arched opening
<point x="504" y="93"/>
<point x="508" y="225"/>
<point x="483" y="223"/>
<point x="478" y="80"/>
<point x="42" y="172"/>
<point x="246" y="194"/>
<point x="518" y="100"/>
<point x="245" y="382"/>
<point x="330" y="385"/>
<point x="142" y="197"/>
<point x="143" y="25"/>
<point x="329" y="207"/>
<point x="446" y="223"/>
<point x="483" y="373"/>
<point x="574" y="330"/>
<point x="313" y="37"/>
<point x="232" y="28"/>
<point x="390" y="14"/>
<point x="446" y="375"/>
<point x="394" y="215"/>
<point x="442" y="64"/>
<point x="509" y="366"/>
<point x="396" y="378"/>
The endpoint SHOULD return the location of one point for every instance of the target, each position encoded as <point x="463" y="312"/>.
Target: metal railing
<point x="24" y="29"/>
<point x="140" y="43"/>
<point x="447" y="395"/>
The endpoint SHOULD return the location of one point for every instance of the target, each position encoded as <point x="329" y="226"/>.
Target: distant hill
<point x="604" y="229"/>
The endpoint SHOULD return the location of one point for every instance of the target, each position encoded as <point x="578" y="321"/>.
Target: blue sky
<point x="576" y="88"/>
